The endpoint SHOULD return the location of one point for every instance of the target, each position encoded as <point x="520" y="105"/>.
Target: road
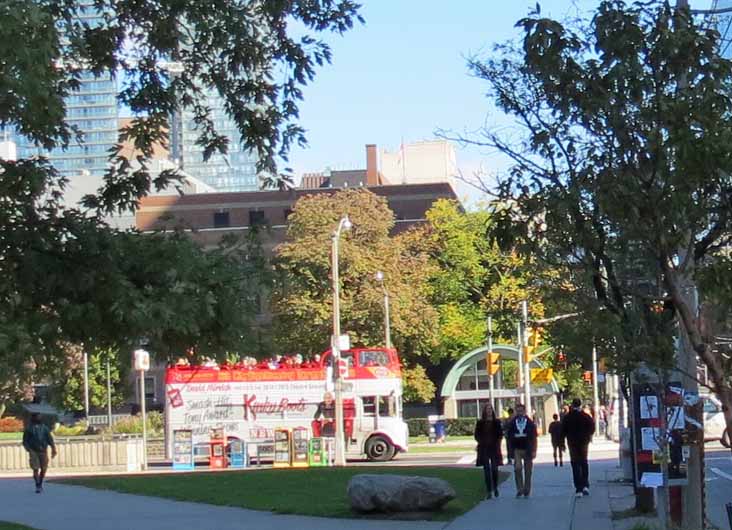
<point x="718" y="478"/>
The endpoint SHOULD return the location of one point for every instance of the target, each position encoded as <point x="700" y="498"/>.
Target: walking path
<point x="61" y="507"/>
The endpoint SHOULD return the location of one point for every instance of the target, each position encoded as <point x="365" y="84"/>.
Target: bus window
<point x="369" y="405"/>
<point x="373" y="358"/>
<point x="387" y="406"/>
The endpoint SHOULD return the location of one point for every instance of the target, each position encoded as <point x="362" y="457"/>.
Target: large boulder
<point x="398" y="493"/>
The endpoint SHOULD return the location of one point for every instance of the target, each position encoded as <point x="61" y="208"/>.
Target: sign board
<point x="344" y="343"/>
<point x="141" y="360"/>
<point x="183" y="449"/>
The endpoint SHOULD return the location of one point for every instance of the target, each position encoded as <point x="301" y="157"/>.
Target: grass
<point x="13" y="526"/>
<point x="315" y="491"/>
<point x="424" y="439"/>
<point x="442" y="449"/>
<point x="11" y="436"/>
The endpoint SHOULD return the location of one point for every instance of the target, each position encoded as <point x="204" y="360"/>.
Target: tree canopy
<point x="621" y="167"/>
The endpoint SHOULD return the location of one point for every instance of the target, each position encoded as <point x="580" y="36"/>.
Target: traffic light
<point x="492" y="361"/>
<point x="602" y="366"/>
<point x="533" y="340"/>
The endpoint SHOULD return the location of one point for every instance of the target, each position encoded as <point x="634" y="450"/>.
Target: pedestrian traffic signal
<point x="587" y="377"/>
<point x="492" y="362"/>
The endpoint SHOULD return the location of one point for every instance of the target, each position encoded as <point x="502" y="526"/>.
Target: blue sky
<point x="403" y="75"/>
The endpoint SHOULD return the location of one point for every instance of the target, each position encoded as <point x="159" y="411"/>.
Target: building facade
<point x="93" y="110"/>
<point x="235" y="171"/>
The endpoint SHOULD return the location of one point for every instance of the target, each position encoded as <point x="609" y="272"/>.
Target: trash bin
<point x="438" y="428"/>
<point x="441" y="429"/>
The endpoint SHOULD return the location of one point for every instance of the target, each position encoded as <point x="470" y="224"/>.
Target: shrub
<point x="77" y="429"/>
<point x="461" y="427"/>
<point x="453" y="427"/>
<point x="133" y="424"/>
<point x="418" y="426"/>
<point x="11" y="424"/>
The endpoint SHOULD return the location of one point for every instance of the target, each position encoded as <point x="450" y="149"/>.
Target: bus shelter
<point x="465" y="389"/>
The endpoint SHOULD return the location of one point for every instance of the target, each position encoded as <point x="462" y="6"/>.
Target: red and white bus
<point x="250" y="402"/>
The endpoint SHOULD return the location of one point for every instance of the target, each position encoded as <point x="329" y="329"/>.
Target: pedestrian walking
<point x="506" y="425"/>
<point x="555" y="431"/>
<point x="522" y="436"/>
<point x="37" y="438"/>
<point x="577" y="429"/>
<point x="488" y="434"/>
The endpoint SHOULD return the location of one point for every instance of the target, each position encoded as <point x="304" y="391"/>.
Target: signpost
<point x="142" y="365"/>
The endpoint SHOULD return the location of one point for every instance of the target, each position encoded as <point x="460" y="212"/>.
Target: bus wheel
<point x="379" y="449"/>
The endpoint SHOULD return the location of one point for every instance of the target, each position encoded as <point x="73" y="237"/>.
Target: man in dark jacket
<point x="36" y="439"/>
<point x="577" y="429"/>
<point x="522" y="437"/>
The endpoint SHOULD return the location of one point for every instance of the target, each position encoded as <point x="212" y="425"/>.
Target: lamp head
<point x="346" y="222"/>
<point x="379" y="276"/>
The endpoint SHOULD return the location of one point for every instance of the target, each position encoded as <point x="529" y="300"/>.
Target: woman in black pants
<point x="488" y="434"/>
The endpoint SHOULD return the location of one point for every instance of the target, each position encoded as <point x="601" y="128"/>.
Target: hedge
<point x="454" y="427"/>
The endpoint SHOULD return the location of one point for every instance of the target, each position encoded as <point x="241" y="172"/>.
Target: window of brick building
<point x="257" y="218"/>
<point x="221" y="220"/>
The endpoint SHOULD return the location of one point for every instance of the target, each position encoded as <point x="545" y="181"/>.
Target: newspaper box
<point x="183" y="449"/>
<point x="300" y="447"/>
<point x="238" y="453"/>
<point x="316" y="453"/>
<point x="282" y="448"/>
<point x="217" y="445"/>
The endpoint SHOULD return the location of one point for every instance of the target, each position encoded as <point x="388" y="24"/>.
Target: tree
<point x="621" y="168"/>
<point x="68" y="390"/>
<point x="303" y="298"/>
<point x="66" y="276"/>
<point x="474" y="278"/>
<point x="621" y="172"/>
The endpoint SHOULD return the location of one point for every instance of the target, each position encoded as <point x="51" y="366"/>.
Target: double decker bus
<point x="250" y="402"/>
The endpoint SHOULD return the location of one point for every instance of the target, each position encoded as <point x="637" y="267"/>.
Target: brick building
<point x="211" y="215"/>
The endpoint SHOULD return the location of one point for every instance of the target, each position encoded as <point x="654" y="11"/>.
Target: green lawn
<point x="438" y="448"/>
<point x="11" y="435"/>
<point x="314" y="491"/>
<point x="13" y="526"/>
<point x="424" y="439"/>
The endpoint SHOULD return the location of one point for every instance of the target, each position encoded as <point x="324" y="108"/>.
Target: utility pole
<point x="109" y="393"/>
<point x="520" y="360"/>
<point x="340" y="454"/>
<point x="692" y="494"/>
<point x="491" y="384"/>
<point x="86" y="386"/>
<point x="525" y="352"/>
<point x="595" y="391"/>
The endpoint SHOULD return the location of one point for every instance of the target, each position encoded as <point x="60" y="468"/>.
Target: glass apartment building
<point x="94" y="111"/>
<point x="235" y="171"/>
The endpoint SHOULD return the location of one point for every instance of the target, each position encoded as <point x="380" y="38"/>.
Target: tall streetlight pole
<point x="387" y="322"/>
<point x="491" y="383"/>
<point x="340" y="456"/>
<point x="525" y="354"/>
<point x="86" y="386"/>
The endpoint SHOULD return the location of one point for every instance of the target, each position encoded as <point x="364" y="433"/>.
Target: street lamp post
<point x="340" y="457"/>
<point x="387" y="321"/>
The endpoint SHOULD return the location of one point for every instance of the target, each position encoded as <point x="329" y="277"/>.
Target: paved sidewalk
<point x="550" y="507"/>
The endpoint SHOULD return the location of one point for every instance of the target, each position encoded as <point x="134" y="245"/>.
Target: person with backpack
<point x="488" y="434"/>
<point x="577" y="429"/>
<point x="37" y="438"/>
